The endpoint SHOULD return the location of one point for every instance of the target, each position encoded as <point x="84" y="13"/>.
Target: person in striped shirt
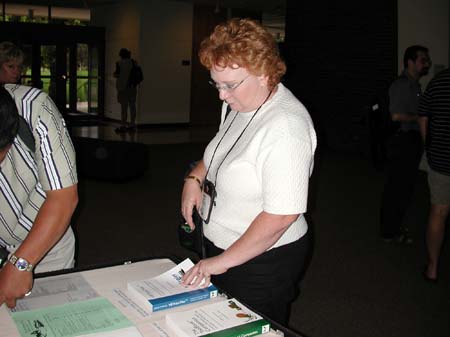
<point x="38" y="189"/>
<point x="434" y="122"/>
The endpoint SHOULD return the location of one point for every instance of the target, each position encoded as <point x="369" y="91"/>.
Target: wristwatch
<point x="20" y="263"/>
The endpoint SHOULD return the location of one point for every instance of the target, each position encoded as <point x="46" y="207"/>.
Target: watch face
<point x="21" y="264"/>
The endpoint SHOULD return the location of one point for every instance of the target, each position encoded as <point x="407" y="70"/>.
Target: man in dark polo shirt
<point x="405" y="148"/>
<point x="434" y="121"/>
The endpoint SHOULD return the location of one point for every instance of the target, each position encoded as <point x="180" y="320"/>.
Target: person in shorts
<point x="434" y="122"/>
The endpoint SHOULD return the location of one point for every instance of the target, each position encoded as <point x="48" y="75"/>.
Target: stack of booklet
<point x="228" y="318"/>
<point x="166" y="291"/>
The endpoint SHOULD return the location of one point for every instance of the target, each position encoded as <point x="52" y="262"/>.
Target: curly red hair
<point x="245" y="43"/>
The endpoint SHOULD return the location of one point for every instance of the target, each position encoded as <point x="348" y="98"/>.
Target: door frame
<point x="63" y="37"/>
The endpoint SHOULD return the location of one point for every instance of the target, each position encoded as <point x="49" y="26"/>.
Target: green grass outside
<point x="82" y="85"/>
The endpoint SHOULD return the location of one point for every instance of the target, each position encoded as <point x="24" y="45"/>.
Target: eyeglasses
<point x="227" y="87"/>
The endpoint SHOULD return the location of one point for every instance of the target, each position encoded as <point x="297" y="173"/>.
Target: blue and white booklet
<point x="165" y="291"/>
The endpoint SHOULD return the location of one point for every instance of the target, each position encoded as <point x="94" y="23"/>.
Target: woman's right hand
<point x="190" y="198"/>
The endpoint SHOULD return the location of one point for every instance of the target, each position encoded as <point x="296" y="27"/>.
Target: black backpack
<point x="136" y="75"/>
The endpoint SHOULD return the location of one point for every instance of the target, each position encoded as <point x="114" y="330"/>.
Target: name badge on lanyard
<point x="209" y="195"/>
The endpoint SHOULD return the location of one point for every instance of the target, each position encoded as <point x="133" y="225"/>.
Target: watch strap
<point x="20" y="263"/>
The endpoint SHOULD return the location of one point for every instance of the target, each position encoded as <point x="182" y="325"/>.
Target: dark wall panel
<point x="205" y="102"/>
<point x="341" y="57"/>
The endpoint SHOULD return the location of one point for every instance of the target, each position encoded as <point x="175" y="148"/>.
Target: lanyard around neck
<point x="235" y="142"/>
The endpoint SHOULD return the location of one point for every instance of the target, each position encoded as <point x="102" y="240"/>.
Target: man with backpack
<point x="38" y="190"/>
<point x="128" y="76"/>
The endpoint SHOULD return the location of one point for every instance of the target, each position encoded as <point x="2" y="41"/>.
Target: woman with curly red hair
<point x="251" y="187"/>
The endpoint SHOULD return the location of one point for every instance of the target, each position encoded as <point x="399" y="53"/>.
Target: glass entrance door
<point x="67" y="61"/>
<point x="52" y="73"/>
<point x="68" y="73"/>
<point x="86" y="79"/>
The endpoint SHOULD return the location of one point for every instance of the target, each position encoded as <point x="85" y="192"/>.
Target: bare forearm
<point x="192" y="192"/>
<point x="50" y="224"/>
<point x="199" y="170"/>
<point x="397" y="117"/>
<point x="265" y="230"/>
<point x="423" y="126"/>
<point x="262" y="234"/>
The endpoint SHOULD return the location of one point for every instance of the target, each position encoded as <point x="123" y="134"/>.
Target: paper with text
<point x="56" y="290"/>
<point x="71" y="320"/>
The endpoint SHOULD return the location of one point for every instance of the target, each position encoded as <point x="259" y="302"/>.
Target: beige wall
<point x="122" y="26"/>
<point x="424" y="22"/>
<point x="166" y="40"/>
<point x="159" y="35"/>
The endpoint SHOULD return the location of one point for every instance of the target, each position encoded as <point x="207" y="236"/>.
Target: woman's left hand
<point x="200" y="274"/>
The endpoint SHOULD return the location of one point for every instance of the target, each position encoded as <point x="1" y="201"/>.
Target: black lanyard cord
<point x="235" y="142"/>
<point x="217" y="146"/>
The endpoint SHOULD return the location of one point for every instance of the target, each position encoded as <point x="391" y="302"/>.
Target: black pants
<point x="269" y="282"/>
<point x="404" y="153"/>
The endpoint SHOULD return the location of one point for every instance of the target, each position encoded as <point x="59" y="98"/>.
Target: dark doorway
<point x="205" y="102"/>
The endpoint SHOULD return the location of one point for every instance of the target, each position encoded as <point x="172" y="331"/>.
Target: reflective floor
<point x="147" y="135"/>
<point x="356" y="285"/>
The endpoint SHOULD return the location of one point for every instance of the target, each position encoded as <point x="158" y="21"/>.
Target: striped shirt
<point x="24" y="175"/>
<point x="435" y="104"/>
